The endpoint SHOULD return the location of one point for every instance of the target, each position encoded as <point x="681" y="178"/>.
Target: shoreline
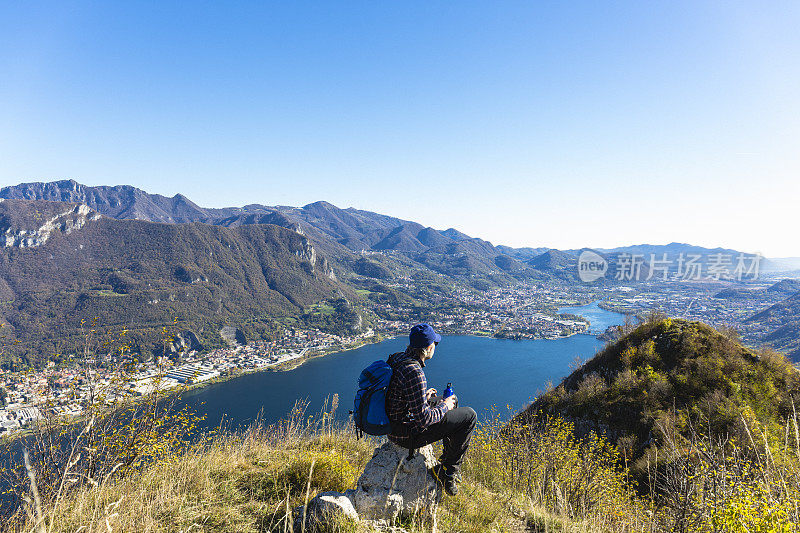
<point x="288" y="365"/>
<point x="294" y="363"/>
<point x="181" y="389"/>
<point x="284" y="366"/>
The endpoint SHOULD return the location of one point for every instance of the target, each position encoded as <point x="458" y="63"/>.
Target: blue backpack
<point x="369" y="414"/>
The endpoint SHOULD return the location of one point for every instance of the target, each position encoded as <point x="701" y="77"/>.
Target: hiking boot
<point x="452" y="471"/>
<point x="446" y="478"/>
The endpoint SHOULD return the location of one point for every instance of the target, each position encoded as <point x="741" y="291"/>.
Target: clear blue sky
<point x="534" y="123"/>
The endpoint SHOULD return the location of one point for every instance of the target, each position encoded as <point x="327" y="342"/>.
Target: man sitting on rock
<point x="418" y="417"/>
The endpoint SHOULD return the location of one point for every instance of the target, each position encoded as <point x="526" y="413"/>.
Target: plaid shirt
<point x="406" y="403"/>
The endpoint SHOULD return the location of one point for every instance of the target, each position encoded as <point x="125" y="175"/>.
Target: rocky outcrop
<point x="319" y="264"/>
<point x="325" y="508"/>
<point x="185" y="341"/>
<point x="233" y="336"/>
<point x="15" y="235"/>
<point x="611" y="334"/>
<point x="391" y="487"/>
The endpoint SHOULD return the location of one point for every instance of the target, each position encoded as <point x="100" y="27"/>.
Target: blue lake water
<point x="485" y="372"/>
<point x="599" y="319"/>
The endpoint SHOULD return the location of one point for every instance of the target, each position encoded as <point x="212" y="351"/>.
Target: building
<point x="192" y="373"/>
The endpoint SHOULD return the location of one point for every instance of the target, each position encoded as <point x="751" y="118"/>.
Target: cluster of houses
<point x="66" y="390"/>
<point x="15" y="419"/>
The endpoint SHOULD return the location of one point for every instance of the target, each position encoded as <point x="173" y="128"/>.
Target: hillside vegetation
<point x="140" y="276"/>
<point x="671" y="379"/>
<point x="252" y="480"/>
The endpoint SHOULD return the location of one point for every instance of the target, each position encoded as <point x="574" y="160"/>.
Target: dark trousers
<point x="455" y="432"/>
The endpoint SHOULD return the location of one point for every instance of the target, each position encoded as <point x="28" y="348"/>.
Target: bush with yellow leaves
<point x="569" y="475"/>
<point x="710" y="484"/>
<point x="115" y="435"/>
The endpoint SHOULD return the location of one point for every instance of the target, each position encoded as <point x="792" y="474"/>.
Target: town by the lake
<point x="523" y="311"/>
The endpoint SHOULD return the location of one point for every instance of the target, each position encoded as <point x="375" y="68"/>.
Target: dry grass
<point x="540" y="479"/>
<point x="249" y="481"/>
<point x="234" y="482"/>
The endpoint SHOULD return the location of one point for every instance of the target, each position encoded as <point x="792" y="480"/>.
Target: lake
<point x="485" y="372"/>
<point x="599" y="319"/>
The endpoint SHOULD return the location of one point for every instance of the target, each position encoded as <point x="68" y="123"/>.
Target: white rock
<point x="392" y="486"/>
<point x="323" y="507"/>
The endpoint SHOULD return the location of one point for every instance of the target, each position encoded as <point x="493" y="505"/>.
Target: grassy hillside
<point x="672" y="378"/>
<point x="552" y="481"/>
<point x="249" y="481"/>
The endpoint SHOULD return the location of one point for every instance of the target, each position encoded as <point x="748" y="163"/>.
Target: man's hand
<point x="450" y="401"/>
<point x="430" y="393"/>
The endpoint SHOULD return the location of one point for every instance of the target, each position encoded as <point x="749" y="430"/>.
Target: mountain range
<point x="340" y="232"/>
<point x="74" y="252"/>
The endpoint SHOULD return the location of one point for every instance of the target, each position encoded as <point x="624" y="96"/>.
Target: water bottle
<point x="448" y="391"/>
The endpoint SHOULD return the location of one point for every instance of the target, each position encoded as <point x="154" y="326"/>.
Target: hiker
<point x="418" y="416"/>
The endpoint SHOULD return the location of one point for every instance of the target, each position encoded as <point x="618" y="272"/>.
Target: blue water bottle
<point x="448" y="391"/>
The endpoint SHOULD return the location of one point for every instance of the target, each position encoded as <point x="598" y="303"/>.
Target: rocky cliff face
<point x="25" y="224"/>
<point x="319" y="263"/>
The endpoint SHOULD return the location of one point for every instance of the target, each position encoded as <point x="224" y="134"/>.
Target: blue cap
<point x="422" y="336"/>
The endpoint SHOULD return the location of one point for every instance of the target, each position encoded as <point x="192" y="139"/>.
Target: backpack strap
<point x="389" y="386"/>
<point x="393" y="366"/>
<point x="412" y="450"/>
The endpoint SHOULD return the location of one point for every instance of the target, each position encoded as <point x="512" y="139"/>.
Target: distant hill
<point x="781" y="312"/>
<point x="734" y="293"/>
<point x="554" y="260"/>
<point x="522" y="254"/>
<point x="782" y="264"/>
<point x="565" y="265"/>
<point x="673" y="248"/>
<point x="141" y="275"/>
<point x="672" y="252"/>
<point x="782" y="321"/>
<point x="786" y="286"/>
<point x="668" y="373"/>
